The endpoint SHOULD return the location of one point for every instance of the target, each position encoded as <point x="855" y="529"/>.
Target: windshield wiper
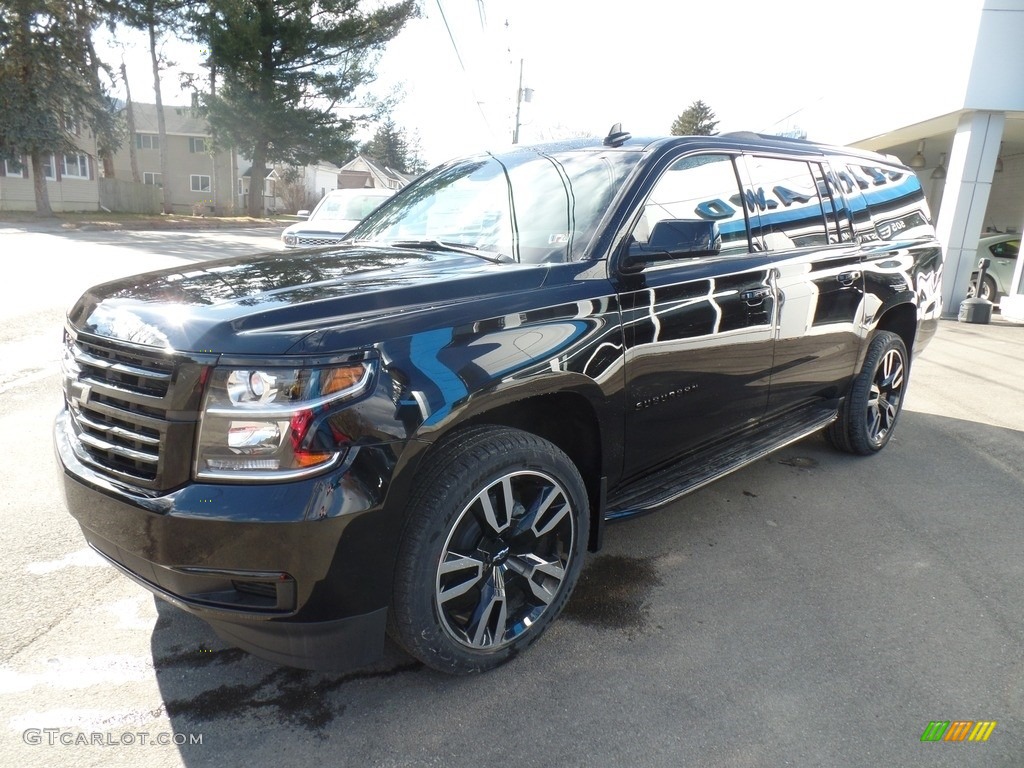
<point x="440" y="245"/>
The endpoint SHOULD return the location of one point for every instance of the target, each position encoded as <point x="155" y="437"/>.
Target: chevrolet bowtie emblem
<point x="78" y="393"/>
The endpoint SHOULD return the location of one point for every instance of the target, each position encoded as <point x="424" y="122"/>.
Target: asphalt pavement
<point x="813" y="609"/>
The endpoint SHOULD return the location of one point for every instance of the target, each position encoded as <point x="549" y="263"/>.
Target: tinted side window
<point x="852" y="187"/>
<point x="784" y="195"/>
<point x="698" y="188"/>
<point x="895" y="202"/>
<point x="837" y="216"/>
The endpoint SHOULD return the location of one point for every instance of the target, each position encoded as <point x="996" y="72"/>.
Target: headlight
<point x="258" y="423"/>
<point x="290" y="239"/>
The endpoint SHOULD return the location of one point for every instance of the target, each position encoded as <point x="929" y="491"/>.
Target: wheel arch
<point x="901" y="320"/>
<point x="568" y="420"/>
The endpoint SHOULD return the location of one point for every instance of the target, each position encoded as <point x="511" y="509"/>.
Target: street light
<point x="523" y="94"/>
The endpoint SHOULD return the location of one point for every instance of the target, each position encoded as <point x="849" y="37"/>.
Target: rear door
<point x="799" y="221"/>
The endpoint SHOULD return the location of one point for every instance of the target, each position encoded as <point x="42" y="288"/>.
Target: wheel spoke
<point x="546" y="513"/>
<point x="498" y="520"/>
<point x="544" y="577"/>
<point x="873" y="397"/>
<point x="889" y="411"/>
<point x="467" y="573"/>
<point x="874" y="423"/>
<point x="490" y="618"/>
<point x="892" y="372"/>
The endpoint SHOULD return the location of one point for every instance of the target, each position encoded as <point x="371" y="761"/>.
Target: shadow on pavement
<point x="813" y="608"/>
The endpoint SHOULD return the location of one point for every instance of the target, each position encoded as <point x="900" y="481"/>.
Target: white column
<point x="965" y="199"/>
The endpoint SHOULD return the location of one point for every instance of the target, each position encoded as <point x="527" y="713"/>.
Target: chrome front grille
<point x="133" y="410"/>
<point x="309" y="240"/>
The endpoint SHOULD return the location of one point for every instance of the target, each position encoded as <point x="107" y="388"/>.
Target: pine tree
<point x="697" y="120"/>
<point x="391" y="148"/>
<point x="286" y="68"/>
<point x="49" y="81"/>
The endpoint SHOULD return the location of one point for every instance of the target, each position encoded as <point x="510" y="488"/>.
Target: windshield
<point x="527" y="206"/>
<point x="346" y="207"/>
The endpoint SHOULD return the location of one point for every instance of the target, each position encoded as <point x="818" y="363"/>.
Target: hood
<point x="267" y="304"/>
<point x="328" y="226"/>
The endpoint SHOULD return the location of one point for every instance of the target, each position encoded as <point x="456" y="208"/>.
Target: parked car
<point x="1001" y="251"/>
<point x="422" y="430"/>
<point x="333" y="217"/>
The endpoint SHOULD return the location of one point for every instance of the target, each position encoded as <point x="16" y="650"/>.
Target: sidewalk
<point x="973" y="372"/>
<point x="98" y="221"/>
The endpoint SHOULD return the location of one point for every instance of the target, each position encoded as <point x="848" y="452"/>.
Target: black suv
<point x="421" y="430"/>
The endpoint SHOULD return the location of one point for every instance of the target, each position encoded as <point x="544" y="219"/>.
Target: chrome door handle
<point x="848" y="278"/>
<point x="756" y="296"/>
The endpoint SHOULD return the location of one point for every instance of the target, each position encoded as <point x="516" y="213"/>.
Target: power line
<point x="451" y="36"/>
<point x="458" y="55"/>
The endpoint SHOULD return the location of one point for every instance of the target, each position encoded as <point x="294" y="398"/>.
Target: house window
<point x="13" y="167"/>
<point x="74" y="167"/>
<point x="241" y="191"/>
<point x="196" y="146"/>
<point x="71" y="125"/>
<point x="199" y="183"/>
<point x="147" y="141"/>
<point x="48" y="166"/>
<point x="152" y="179"/>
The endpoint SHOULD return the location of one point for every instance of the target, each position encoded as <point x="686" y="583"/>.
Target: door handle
<point x="756" y="296"/>
<point x="848" y="278"/>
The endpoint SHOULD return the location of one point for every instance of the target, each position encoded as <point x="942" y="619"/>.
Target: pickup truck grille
<point x="314" y="240"/>
<point x="133" y="409"/>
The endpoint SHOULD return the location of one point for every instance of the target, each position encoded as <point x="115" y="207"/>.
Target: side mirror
<point x="674" y="239"/>
<point x="303" y="214"/>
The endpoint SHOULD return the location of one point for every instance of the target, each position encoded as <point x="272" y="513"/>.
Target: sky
<point x="837" y="71"/>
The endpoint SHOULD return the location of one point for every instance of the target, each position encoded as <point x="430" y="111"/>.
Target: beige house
<point x="70" y="178"/>
<point x="364" y="172"/>
<point x="311" y="182"/>
<point x="200" y="180"/>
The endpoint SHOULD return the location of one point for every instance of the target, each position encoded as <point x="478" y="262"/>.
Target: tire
<point x="872" y="407"/>
<point x="476" y="581"/>
<point x="988" y="288"/>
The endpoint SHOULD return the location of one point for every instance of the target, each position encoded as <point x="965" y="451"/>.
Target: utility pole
<point x="523" y="94"/>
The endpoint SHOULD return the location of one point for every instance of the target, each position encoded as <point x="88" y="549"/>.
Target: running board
<point x="676" y="480"/>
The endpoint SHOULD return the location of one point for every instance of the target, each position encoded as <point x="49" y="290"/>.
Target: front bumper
<point x="298" y="573"/>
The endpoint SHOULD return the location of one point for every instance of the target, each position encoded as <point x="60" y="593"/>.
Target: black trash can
<point x="977" y="310"/>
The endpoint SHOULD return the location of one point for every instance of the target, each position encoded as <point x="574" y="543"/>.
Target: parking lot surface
<point x="813" y="609"/>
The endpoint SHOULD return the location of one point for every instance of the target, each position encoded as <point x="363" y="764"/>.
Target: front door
<point x="699" y="331"/>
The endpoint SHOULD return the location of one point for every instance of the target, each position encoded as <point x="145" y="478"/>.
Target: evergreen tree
<point x="50" y="84"/>
<point x="286" y="68"/>
<point x="697" y="120"/>
<point x="391" y="148"/>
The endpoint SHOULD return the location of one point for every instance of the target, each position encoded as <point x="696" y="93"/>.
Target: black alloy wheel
<point x="492" y="549"/>
<point x="505" y="560"/>
<point x="885" y="397"/>
<point x="870" y="411"/>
